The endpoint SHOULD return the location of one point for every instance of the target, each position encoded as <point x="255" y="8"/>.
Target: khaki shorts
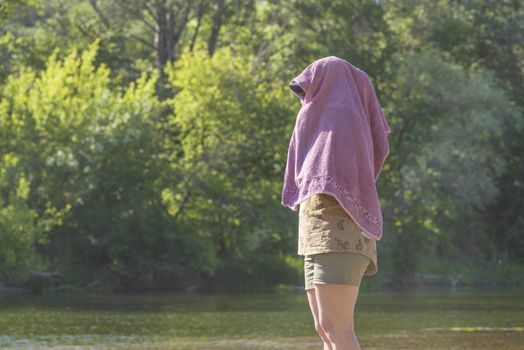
<point x="334" y="268"/>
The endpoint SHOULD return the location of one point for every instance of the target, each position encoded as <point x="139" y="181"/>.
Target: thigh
<point x="309" y="270"/>
<point x="336" y="305"/>
<point x="337" y="279"/>
<point x="312" y="299"/>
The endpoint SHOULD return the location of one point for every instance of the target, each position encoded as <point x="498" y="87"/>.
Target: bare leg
<point x="314" y="310"/>
<point x="336" y="305"/>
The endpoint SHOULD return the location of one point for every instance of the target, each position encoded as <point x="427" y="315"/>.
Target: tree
<point x="233" y="128"/>
<point x="453" y="119"/>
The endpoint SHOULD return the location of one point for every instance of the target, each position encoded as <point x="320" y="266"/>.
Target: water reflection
<point x="200" y="320"/>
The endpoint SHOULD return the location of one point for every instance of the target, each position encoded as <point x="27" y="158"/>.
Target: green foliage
<point x="8" y="6"/>
<point x="454" y="119"/>
<point x="17" y="228"/>
<point x="232" y="122"/>
<point x="73" y="133"/>
<point x="108" y="165"/>
<point x="354" y="30"/>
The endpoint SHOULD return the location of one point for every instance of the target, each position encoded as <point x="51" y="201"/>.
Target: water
<point x="438" y="319"/>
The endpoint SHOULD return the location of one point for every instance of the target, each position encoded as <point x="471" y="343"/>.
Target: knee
<point x="334" y="331"/>
<point x="319" y="329"/>
<point x="323" y="334"/>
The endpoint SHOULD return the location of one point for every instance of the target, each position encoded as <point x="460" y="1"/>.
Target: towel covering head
<point x="339" y="142"/>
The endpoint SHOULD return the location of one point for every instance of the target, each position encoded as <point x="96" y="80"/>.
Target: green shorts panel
<point x="334" y="268"/>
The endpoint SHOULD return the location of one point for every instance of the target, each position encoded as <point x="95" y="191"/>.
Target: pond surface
<point x="437" y="319"/>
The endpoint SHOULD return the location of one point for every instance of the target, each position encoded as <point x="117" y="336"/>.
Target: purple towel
<point x="339" y="143"/>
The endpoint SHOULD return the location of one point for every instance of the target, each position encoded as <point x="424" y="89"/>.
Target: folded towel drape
<point x="339" y="143"/>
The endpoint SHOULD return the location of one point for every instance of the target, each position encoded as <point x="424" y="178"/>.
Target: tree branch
<point x="136" y="14"/>
<point x="181" y="24"/>
<point x="202" y="7"/>
<point x="143" y="41"/>
<point x="99" y="13"/>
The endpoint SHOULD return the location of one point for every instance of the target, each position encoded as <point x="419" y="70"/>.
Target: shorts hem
<point x="345" y="284"/>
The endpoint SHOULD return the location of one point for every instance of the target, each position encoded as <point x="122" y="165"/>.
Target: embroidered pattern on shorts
<point x="324" y="227"/>
<point x="342" y="244"/>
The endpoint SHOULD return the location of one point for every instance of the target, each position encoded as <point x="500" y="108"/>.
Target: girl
<point x="335" y="156"/>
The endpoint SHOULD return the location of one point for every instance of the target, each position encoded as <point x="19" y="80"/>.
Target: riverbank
<point x="432" y="275"/>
